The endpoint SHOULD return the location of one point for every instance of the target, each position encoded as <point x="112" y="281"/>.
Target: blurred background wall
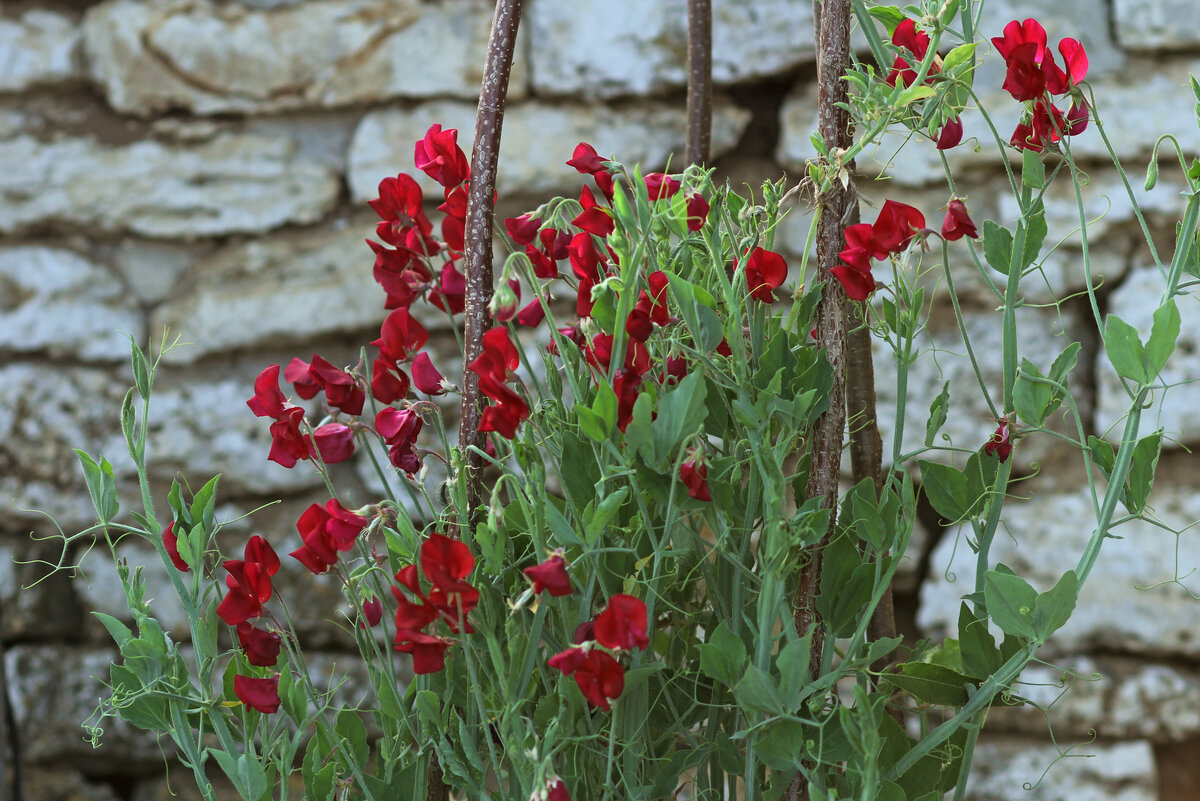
<point x="202" y="167"/>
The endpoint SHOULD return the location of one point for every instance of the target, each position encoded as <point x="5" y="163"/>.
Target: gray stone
<point x="233" y="184"/>
<point x="152" y="269"/>
<point x="1008" y="771"/>
<point x="1176" y="410"/>
<point x="62" y="785"/>
<point x="1156" y="24"/>
<point x="38" y="602"/>
<point x="207" y="58"/>
<point x="537" y="140"/>
<point x="57" y="302"/>
<point x="53" y="690"/>
<point x="630" y="47"/>
<point x="276" y="292"/>
<point x="1043" y="537"/>
<point x="39" y="47"/>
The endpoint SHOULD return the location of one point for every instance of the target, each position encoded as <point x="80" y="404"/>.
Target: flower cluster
<point x="326" y="531"/>
<point x="622" y="626"/>
<point x="908" y="38"/>
<point x="249" y="587"/>
<point x="1033" y="74"/>
<point x="445" y="564"/>
<point x="333" y="441"/>
<point x="891" y="233"/>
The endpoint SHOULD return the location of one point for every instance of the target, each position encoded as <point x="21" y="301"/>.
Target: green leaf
<point x="931" y="684"/>
<point x="680" y="415"/>
<point x="591" y="424"/>
<point x="1125" y="350"/>
<point x="141" y="369"/>
<point x="723" y="657"/>
<point x="997" y="246"/>
<point x="1141" y="472"/>
<point x="605" y="406"/>
<point x="1033" y="171"/>
<point x="1103" y="455"/>
<point x="937" y="414"/>
<point x="120" y="633"/>
<point x="598" y="520"/>
<point x="913" y="94"/>
<point x="1054" y="606"/>
<point x="101" y="484"/>
<point x="794" y="667"/>
<point x="959" y="55"/>
<point x="781" y="745"/>
<point x="247" y="774"/>
<point x="756" y="692"/>
<point x="203" y="503"/>
<point x="1010" y="602"/>
<point x="976" y="645"/>
<point x="890" y="16"/>
<point x="129" y="425"/>
<point x="564" y="533"/>
<point x="946" y="489"/>
<point x="1163" y="336"/>
<point x="580" y="480"/>
<point x="639" y="438"/>
<point x="846" y="584"/>
<point x="860" y="509"/>
<point x="1035" y="235"/>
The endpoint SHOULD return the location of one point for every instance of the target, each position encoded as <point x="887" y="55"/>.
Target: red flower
<point x="697" y="211"/>
<point x="326" y="531"/>
<point x="499" y="355"/>
<point x="661" y="186"/>
<point x="260" y="694"/>
<point x="341" y="390"/>
<point x="958" y="222"/>
<point x="249" y="582"/>
<point x="426" y="377"/>
<point x="600" y="677"/>
<point x="400" y="336"/>
<point x="594" y="218"/>
<point x="586" y="160"/>
<point x="373" y="611"/>
<point x="523" y="229"/>
<point x="765" y="270"/>
<point x="388" y="382"/>
<point x="439" y="156"/>
<point x="268" y="401"/>
<point x="399" y="429"/>
<point x="288" y="443"/>
<point x="400" y="201"/>
<point x="622" y="625"/>
<point x="556" y="790"/>
<point x="261" y="647"/>
<point x="907" y="36"/>
<point x="694" y="475"/>
<point x="335" y="442"/>
<point x="428" y="652"/>
<point x="532" y="315"/>
<point x="999" y="444"/>
<point x="506" y="414"/>
<point x="296" y="373"/>
<point x="951" y="134"/>
<point x="896" y="226"/>
<point x="171" y="543"/>
<point x="445" y="562"/>
<point x="550" y="575"/>
<point x="507" y="297"/>
<point x="858" y="284"/>
<point x="450" y="295"/>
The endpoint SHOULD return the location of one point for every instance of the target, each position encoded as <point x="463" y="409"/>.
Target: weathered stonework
<point x="538" y="139"/>
<point x="207" y="58"/>
<point x="1098" y="772"/>
<point x="39" y="47"/>
<point x="1156" y="24"/>
<point x="232" y="184"/>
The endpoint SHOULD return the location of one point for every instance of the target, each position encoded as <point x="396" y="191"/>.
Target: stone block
<point x="1045" y="536"/>
<point x="213" y="58"/>
<point x="38" y="48"/>
<point x="59" y="303"/>
<point x="537" y="141"/>
<point x="1156" y="24"/>
<point x="1012" y="770"/>
<point x="633" y="47"/>
<point x="231" y="184"/>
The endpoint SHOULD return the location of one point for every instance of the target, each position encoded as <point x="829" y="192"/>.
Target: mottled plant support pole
<point x="699" y="87"/>
<point x="481" y="193"/>
<point x="835" y="204"/>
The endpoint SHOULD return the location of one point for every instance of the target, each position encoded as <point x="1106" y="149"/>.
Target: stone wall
<point x="201" y="167"/>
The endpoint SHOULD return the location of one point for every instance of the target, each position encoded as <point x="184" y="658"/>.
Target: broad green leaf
<point x="591" y="424"/>
<point x="958" y="55"/>
<point x="681" y="411"/>
<point x="639" y="438"/>
<point x="1010" y="602"/>
<point x="1103" y="455"/>
<point x="794" y="667"/>
<point x="1141" y="472"/>
<point x="605" y="406"/>
<point x="946" y="489"/>
<point x="118" y="630"/>
<point x="141" y="369"/>
<point x="997" y="246"/>
<point x="102" y="487"/>
<point x="781" y="746"/>
<point x="937" y="414"/>
<point x="913" y="94"/>
<point x="598" y="520"/>
<point x="564" y="533"/>
<point x="1125" y="350"/>
<point x="976" y="646"/>
<point x="890" y="16"/>
<point x="203" y="503"/>
<point x="756" y="692"/>
<point x="723" y="657"/>
<point x="1035" y="235"/>
<point x="1163" y="336"/>
<point x="1054" y="606"/>
<point x="931" y="684"/>
<point x="1033" y="171"/>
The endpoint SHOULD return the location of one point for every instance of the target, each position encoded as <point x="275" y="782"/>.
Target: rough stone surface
<point x="151" y="268"/>
<point x="1116" y="611"/>
<point x="229" y="185"/>
<point x="211" y="58"/>
<point x="57" y="302"/>
<point x="274" y="292"/>
<point x="1178" y="409"/>
<point x="52" y="691"/>
<point x="635" y="47"/>
<point x="39" y="47"/>
<point x="1007" y="771"/>
<point x="1156" y="24"/>
<point x="59" y="785"/>
<point x="101" y="590"/>
<point x="36" y="605"/>
<point x="537" y="140"/>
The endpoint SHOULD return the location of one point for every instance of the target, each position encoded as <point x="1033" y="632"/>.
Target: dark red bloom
<point x="532" y="315"/>
<point x="499" y="355"/>
<point x="556" y="790"/>
<point x="335" y="442"/>
<point x="586" y="160"/>
<point x="456" y="203"/>
<point x="439" y="156"/>
<point x="341" y="390"/>
<point x="506" y="414"/>
<point x="765" y="270"/>
<point x="1077" y="117"/>
<point x="268" y="401"/>
<point x="400" y="336"/>
<point x="296" y="373"/>
<point x="507" y="297"/>
<point x="951" y="134"/>
<point x="697" y="211"/>
<point x="400" y="201"/>
<point x="858" y="284"/>
<point x="594" y="218"/>
<point x="399" y="429"/>
<point x="694" y="476"/>
<point x="896" y="226"/>
<point x="249" y="582"/>
<point x="373" y="611"/>
<point x="260" y="694"/>
<point x="445" y="562"/>
<point x="288" y="443"/>
<point x="622" y="625"/>
<point x="661" y="186"/>
<point x="627" y="384"/>
<point x="550" y="575"/>
<point x="958" y="222"/>
<point x="999" y="445"/>
<point x="171" y="543"/>
<point x="389" y="383"/>
<point x="428" y="651"/>
<point x="326" y="531"/>
<point x="523" y="229"/>
<point x="261" y="647"/>
<point x="907" y="37"/>
<point x="600" y="677"/>
<point x="426" y="377"/>
<point x="450" y="295"/>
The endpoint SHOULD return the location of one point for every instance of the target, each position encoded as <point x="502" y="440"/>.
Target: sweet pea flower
<point x="261" y="647"/>
<point x="260" y="694"/>
<point x="765" y="271"/>
<point x="622" y="625"/>
<point x="426" y="377"/>
<point x="171" y="543"/>
<point x="999" y="445"/>
<point x="268" y="401"/>
<point x="958" y="222"/>
<point x="550" y="575"/>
